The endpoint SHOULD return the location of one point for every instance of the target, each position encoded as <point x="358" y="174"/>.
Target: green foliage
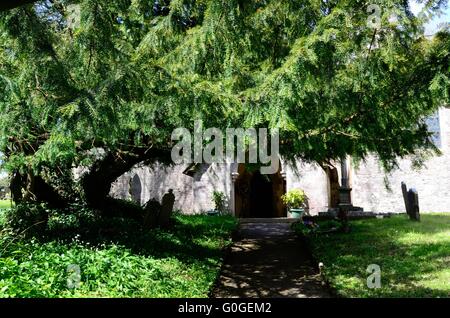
<point x="74" y="217"/>
<point x="413" y="256"/>
<point x="132" y="262"/>
<point x="294" y="199"/>
<point x="126" y="75"/>
<point x="219" y="201"/>
<point x="5" y="204"/>
<point x="28" y="218"/>
<point x="37" y="219"/>
<point x="309" y="228"/>
<point x="303" y="229"/>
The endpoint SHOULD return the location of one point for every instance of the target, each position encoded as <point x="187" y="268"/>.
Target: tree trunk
<point x="33" y="188"/>
<point x="15" y="187"/>
<point x="97" y="183"/>
<point x="44" y="192"/>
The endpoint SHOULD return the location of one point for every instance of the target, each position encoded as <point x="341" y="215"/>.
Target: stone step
<point x="268" y="220"/>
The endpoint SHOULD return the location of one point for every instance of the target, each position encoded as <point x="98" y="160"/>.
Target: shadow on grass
<point x="189" y="239"/>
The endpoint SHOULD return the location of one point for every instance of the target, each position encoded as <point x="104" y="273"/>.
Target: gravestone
<point x="152" y="209"/>
<point x="405" y="197"/>
<point x="136" y="189"/>
<point x="167" y="203"/>
<point x="413" y="204"/>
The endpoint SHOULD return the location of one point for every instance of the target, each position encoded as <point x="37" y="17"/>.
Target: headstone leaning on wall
<point x="411" y="199"/>
<point x="405" y="197"/>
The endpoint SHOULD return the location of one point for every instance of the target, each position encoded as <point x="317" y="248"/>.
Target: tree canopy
<point x="102" y="84"/>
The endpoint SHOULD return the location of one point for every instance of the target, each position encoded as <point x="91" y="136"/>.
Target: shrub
<point x="38" y="218"/>
<point x="29" y="217"/>
<point x="308" y="227"/>
<point x="219" y="201"/>
<point x="304" y="228"/>
<point x="73" y="217"/>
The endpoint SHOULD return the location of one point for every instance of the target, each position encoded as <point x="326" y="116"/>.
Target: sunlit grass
<point x="414" y="257"/>
<point x="5" y="204"/>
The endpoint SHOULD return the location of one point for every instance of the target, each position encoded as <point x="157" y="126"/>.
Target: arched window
<point x="136" y="189"/>
<point x="434" y="126"/>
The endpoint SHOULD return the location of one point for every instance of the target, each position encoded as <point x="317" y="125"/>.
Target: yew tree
<point x="102" y="84"/>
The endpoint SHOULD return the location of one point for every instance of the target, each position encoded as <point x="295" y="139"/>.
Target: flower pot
<point x="296" y="213"/>
<point x="213" y="212"/>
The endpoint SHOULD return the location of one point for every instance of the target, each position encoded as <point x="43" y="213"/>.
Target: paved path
<point x="267" y="260"/>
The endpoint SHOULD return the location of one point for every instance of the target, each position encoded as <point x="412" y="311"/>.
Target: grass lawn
<point x="182" y="262"/>
<point x="414" y="257"/>
<point x="5" y="204"/>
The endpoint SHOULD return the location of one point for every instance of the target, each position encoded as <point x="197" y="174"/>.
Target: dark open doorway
<point x="258" y="195"/>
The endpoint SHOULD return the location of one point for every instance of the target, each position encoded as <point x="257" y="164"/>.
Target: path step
<point x="268" y="220"/>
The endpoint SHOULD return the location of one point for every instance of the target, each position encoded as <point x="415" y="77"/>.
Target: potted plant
<point x="295" y="200"/>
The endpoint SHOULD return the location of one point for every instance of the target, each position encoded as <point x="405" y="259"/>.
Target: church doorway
<point x="258" y="195"/>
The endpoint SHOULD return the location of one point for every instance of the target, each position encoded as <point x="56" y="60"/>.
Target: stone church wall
<point x="432" y="181"/>
<point x="194" y="193"/>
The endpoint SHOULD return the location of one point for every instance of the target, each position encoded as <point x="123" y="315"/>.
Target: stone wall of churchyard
<point x="155" y="182"/>
<point x="192" y="194"/>
<point x="368" y="180"/>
